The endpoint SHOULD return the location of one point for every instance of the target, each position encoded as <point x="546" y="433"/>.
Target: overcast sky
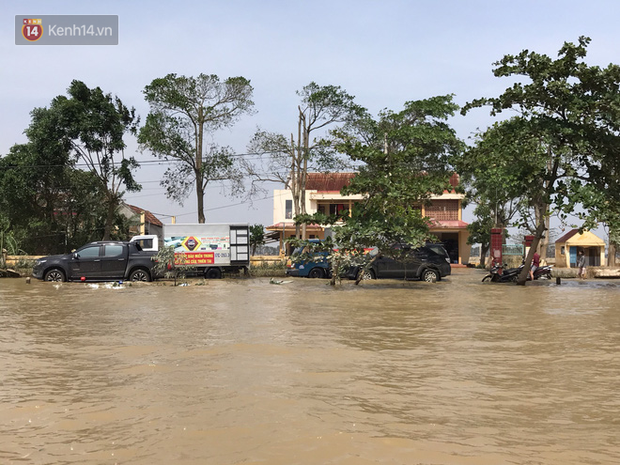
<point x="385" y="53"/>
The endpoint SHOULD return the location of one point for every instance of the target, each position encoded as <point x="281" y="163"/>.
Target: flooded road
<point x="247" y="372"/>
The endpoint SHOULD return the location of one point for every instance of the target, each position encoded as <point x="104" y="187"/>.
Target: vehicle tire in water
<point x="367" y="274"/>
<point x="486" y="278"/>
<point x="55" y="275"/>
<point x="316" y="273"/>
<point x="213" y="273"/>
<point x="430" y="276"/>
<point x="140" y="275"/>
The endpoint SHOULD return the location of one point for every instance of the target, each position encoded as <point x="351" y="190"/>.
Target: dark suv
<point x="428" y="263"/>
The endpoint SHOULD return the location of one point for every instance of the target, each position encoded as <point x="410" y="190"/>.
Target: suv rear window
<point x="438" y="249"/>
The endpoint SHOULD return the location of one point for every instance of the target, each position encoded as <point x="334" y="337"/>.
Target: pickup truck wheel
<point x="316" y="273"/>
<point x="140" y="275"/>
<point x="55" y="275"/>
<point x="213" y="273"/>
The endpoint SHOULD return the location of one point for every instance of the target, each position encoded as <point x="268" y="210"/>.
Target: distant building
<point x="323" y="194"/>
<point x="567" y="247"/>
<point x="141" y="221"/>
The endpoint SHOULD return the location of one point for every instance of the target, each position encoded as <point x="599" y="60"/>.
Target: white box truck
<point x="212" y="249"/>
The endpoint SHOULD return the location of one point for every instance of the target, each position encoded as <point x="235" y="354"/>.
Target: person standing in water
<point x="581" y="264"/>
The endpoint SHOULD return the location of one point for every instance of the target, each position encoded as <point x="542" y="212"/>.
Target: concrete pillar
<point x="527" y="242"/>
<point x="497" y="240"/>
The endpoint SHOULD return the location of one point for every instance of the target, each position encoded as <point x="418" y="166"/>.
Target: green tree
<point x="290" y="159"/>
<point x="494" y="171"/>
<point x="566" y="134"/>
<point x="183" y="111"/>
<point x="51" y="206"/>
<point x="257" y="236"/>
<point x="405" y="158"/>
<point x="93" y="125"/>
<point x="480" y="231"/>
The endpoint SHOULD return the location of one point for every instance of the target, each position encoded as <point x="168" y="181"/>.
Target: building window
<point x="562" y="250"/>
<point x="289" y="210"/>
<point x="336" y="208"/>
<point x="442" y="210"/>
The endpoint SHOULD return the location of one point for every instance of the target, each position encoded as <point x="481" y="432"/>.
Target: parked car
<point x="318" y="267"/>
<point x="428" y="263"/>
<point x="98" y="261"/>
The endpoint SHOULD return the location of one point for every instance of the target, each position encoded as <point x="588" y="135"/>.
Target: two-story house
<point x="323" y="194"/>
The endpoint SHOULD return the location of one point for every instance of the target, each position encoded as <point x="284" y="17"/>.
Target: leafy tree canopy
<point x="183" y="111"/>
<point x="564" y="140"/>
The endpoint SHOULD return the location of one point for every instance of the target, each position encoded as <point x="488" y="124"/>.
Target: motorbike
<point x="499" y="274"/>
<point x="543" y="272"/>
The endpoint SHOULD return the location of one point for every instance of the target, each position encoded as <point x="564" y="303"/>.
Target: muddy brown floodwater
<point x="247" y="372"/>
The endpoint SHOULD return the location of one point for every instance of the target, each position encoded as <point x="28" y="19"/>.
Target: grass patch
<point x="276" y="270"/>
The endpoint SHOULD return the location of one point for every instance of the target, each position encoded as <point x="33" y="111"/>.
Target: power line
<point x="140" y="162"/>
<point x="218" y="208"/>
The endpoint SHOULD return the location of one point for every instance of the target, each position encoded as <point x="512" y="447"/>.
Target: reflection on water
<point x="243" y="371"/>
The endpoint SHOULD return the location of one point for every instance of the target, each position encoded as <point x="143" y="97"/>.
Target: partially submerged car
<point x="316" y="267"/>
<point x="428" y="263"/>
<point x="98" y="261"/>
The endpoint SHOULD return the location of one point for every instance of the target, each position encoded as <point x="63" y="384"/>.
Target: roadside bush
<point x="266" y="269"/>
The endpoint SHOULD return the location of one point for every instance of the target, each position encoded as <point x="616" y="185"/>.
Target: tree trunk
<point x="484" y="248"/>
<point x="200" y="195"/>
<point x="611" y="254"/>
<point x="540" y="230"/>
<point x="544" y="241"/>
<point x="304" y="168"/>
<point x="109" y="220"/>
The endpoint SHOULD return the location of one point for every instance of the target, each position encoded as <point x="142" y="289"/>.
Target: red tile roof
<point x="567" y="236"/>
<point x="328" y="182"/>
<point x="334" y="182"/>
<point x="149" y="217"/>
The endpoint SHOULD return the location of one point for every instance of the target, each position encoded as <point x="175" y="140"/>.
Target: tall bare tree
<point x="288" y="160"/>
<point x="183" y="110"/>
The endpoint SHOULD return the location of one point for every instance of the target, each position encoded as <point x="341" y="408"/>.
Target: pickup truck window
<point x="113" y="250"/>
<point x="89" y="252"/>
<point x="144" y="243"/>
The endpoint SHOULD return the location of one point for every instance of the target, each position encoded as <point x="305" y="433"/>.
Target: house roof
<point x="149" y="217"/>
<point x="334" y="182"/>
<point x="586" y="237"/>
<point x="328" y="182"/>
<point x="568" y="235"/>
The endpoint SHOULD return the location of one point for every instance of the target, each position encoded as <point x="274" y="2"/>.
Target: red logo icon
<point x="32" y="29"/>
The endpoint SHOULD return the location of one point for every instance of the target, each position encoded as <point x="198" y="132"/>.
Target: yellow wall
<point x="586" y="240"/>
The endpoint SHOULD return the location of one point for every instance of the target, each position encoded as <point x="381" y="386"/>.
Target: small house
<point x="567" y="247"/>
<point x="141" y="221"/>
